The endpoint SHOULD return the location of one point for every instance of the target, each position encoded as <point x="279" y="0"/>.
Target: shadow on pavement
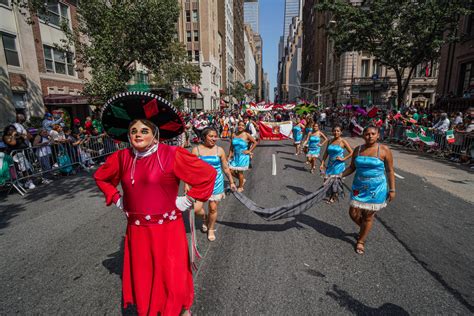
<point x="114" y="263"/>
<point x="291" y="159"/>
<point x="299" y="190"/>
<point x="356" y="307"/>
<point x="326" y="229"/>
<point x="285" y="152"/>
<point x="263" y="227"/>
<point x="8" y="212"/>
<point x="295" y="167"/>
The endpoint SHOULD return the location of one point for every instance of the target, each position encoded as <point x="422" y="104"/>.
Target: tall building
<point x="226" y="30"/>
<point x="259" y="61"/>
<point x="34" y="75"/>
<point x="198" y="30"/>
<point x="239" y="52"/>
<point x="354" y="77"/>
<point x="455" y="91"/>
<point x="292" y="8"/>
<point x="250" y="52"/>
<point x="295" y="43"/>
<point x="251" y="11"/>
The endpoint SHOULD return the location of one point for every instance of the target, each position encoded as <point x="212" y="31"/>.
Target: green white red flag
<point x="450" y="136"/>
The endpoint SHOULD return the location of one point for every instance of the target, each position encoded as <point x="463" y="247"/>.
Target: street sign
<point x="375" y="77"/>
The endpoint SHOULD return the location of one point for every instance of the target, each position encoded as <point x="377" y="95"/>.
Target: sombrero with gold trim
<point x="123" y="108"/>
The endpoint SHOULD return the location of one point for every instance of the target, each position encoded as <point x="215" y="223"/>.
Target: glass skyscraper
<point x="292" y="9"/>
<point x="251" y="14"/>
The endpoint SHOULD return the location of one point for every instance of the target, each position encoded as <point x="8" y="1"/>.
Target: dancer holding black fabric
<point x="369" y="190"/>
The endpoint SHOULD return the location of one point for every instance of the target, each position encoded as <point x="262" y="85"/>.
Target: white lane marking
<point x="398" y="176"/>
<point x="274" y="165"/>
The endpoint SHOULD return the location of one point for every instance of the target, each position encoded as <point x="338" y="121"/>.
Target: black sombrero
<point x="125" y="107"/>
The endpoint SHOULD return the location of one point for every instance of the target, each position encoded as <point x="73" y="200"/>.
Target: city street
<point x="62" y="248"/>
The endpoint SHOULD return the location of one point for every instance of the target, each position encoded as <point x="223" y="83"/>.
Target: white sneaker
<point x="30" y="185"/>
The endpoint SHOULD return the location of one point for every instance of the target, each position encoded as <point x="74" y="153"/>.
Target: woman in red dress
<point x="157" y="275"/>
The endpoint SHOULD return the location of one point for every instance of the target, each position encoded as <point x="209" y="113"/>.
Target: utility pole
<point x="352" y="77"/>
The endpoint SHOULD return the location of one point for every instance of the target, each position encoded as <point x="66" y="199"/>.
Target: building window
<point x="470" y="25"/>
<point x="56" y="12"/>
<point x="196" y="16"/>
<point x="196" y="55"/>
<point x="377" y="68"/>
<point x="188" y="36"/>
<point x="19" y="103"/>
<point x="5" y="2"/>
<point x="196" y="36"/>
<point x="9" y="46"/>
<point x="467" y="78"/>
<point x="59" y="62"/>
<point x="190" y="55"/>
<point x="364" y="68"/>
<point x="188" y="16"/>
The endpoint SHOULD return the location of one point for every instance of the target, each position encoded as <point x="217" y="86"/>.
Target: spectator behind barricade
<point x="16" y="145"/>
<point x="76" y="126"/>
<point x="5" y="162"/>
<point x="21" y="130"/>
<point x="72" y="143"/>
<point x="250" y="127"/>
<point x="458" y="119"/>
<point x="97" y="124"/>
<point x="443" y="124"/>
<point x="57" y="134"/>
<point x="42" y="143"/>
<point x="88" y="125"/>
<point x="49" y="121"/>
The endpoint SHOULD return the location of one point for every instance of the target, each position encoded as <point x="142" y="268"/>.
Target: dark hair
<point x="336" y="126"/>
<point x="369" y="127"/>
<point x="7" y="129"/>
<point x="145" y="122"/>
<point x="206" y="132"/>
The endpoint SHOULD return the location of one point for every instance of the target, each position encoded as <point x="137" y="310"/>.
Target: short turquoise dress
<point x="335" y="167"/>
<point x="215" y="161"/>
<point x="307" y="130"/>
<point x="313" y="147"/>
<point x="240" y="161"/>
<point x="297" y="134"/>
<point x="369" y="189"/>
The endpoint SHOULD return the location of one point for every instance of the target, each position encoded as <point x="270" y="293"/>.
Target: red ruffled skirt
<point x="157" y="275"/>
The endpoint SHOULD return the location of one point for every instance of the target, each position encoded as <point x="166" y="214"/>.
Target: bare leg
<point x="212" y="220"/>
<point x="366" y="224"/>
<point x="199" y="210"/>
<point x="356" y="215"/>
<point x="313" y="164"/>
<point x="241" y="181"/>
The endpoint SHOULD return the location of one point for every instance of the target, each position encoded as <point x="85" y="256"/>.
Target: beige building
<point x="198" y="29"/>
<point x="34" y="75"/>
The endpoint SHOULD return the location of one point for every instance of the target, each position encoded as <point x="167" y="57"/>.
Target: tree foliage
<point x="241" y="90"/>
<point x="401" y="34"/>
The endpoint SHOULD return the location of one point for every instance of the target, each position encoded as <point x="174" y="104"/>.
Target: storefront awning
<point x="65" y="99"/>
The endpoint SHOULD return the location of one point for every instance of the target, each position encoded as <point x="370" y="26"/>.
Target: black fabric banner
<point x="332" y="185"/>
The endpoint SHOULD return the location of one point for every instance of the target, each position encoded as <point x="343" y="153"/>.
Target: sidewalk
<point x="448" y="176"/>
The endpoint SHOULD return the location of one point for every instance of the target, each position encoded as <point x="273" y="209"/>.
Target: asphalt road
<point x="61" y="251"/>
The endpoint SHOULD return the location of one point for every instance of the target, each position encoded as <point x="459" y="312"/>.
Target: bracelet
<point x="191" y="199"/>
<point x="391" y="190"/>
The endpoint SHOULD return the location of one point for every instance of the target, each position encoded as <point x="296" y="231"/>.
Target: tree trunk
<point x="400" y="92"/>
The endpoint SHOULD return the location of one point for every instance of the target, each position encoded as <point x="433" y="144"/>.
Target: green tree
<point x="401" y="34"/>
<point x="112" y="36"/>
<point x="177" y="71"/>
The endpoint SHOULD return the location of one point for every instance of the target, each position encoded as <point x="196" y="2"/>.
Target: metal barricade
<point x="62" y="157"/>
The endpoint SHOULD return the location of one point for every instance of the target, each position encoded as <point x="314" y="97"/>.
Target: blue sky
<point x="271" y="28"/>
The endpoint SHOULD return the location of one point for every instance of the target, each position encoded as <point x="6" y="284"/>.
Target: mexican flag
<point x="450" y="136"/>
<point x="428" y="140"/>
<point x="411" y="135"/>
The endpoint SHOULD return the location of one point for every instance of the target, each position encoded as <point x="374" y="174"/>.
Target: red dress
<point x="157" y="273"/>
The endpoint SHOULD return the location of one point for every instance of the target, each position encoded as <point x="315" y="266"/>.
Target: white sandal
<point x="210" y="235"/>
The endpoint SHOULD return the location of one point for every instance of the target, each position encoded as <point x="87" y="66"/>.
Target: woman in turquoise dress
<point x="313" y="139"/>
<point x="239" y="153"/>
<point x="307" y="130"/>
<point x="297" y="135"/>
<point x="335" y="152"/>
<point x="369" y="188"/>
<point x="215" y="156"/>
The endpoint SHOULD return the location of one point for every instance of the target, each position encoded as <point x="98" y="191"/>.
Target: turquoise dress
<point x="215" y="162"/>
<point x="335" y="167"/>
<point x="297" y="134"/>
<point x="240" y="161"/>
<point x="313" y="147"/>
<point x="369" y="189"/>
